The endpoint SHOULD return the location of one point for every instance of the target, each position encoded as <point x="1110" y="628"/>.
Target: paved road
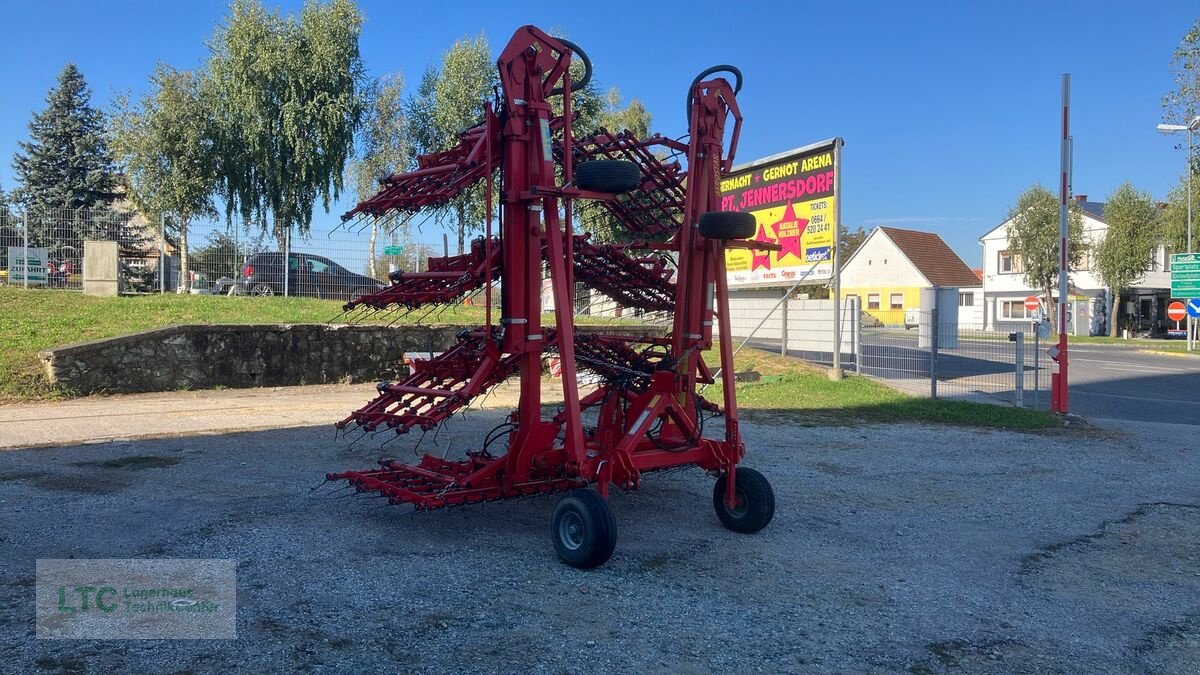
<point x="1107" y="382"/>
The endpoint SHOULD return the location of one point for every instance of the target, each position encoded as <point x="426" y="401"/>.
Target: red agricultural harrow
<point x="648" y="414"/>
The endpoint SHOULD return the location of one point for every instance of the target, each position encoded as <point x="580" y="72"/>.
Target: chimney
<point x="1080" y="198"/>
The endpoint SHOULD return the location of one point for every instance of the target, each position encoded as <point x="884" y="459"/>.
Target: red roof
<point x="932" y="257"/>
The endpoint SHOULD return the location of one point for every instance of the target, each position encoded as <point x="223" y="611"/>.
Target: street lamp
<point x="1191" y="128"/>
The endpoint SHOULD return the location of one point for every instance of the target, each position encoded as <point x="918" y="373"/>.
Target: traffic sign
<point x="1176" y="311"/>
<point x="1185" y="275"/>
<point x="1193" y="307"/>
<point x="1031" y="303"/>
<point x="393" y="250"/>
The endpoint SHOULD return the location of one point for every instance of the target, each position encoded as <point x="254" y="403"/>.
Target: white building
<point x="891" y="268"/>
<point x="1142" y="308"/>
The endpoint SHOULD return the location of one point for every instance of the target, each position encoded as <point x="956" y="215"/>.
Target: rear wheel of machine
<point x="755" y="502"/>
<point x="727" y="225"/>
<point x="608" y="175"/>
<point x="262" y="290"/>
<point x="584" y="529"/>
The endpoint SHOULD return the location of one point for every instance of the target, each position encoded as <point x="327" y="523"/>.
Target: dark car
<point x="310" y="276"/>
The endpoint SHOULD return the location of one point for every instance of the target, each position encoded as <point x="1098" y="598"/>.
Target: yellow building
<point x="889" y="270"/>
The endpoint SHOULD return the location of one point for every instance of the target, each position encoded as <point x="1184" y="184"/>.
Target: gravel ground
<point x="894" y="548"/>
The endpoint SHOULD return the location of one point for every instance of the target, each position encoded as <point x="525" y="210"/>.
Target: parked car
<point x="310" y="276"/>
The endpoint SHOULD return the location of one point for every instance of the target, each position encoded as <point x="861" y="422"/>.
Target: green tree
<point x="1127" y="249"/>
<point x="384" y="149"/>
<point x="1033" y="237"/>
<point x="449" y="100"/>
<point x="1174" y="218"/>
<point x="66" y="162"/>
<point x="1182" y="103"/>
<point x="612" y="114"/>
<point x="289" y="97"/>
<point x="166" y="144"/>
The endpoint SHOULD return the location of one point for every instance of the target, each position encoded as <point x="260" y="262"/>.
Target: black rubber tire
<point x="262" y="290"/>
<point x="583" y="529"/>
<point x="608" y="175"/>
<point x="756" y="502"/>
<point x="728" y="225"/>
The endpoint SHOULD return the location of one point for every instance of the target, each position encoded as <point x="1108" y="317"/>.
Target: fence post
<point x="1037" y="371"/>
<point x="25" y="238"/>
<point x="856" y="324"/>
<point x="162" y="254"/>
<point x="287" y="258"/>
<point x="1019" y="375"/>
<point x="933" y="350"/>
<point x="783" y="326"/>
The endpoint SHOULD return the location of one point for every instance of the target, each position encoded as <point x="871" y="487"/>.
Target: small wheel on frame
<point x="754" y="501"/>
<point x="614" y="176"/>
<point x="584" y="529"/>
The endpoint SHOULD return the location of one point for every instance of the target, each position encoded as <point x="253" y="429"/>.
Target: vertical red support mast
<point x="1059" y="388"/>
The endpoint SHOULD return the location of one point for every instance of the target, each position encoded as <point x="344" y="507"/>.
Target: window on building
<point x="1010" y="263"/>
<point x="966" y="299"/>
<point x="1013" y="309"/>
<point x="896" y="301"/>
<point x="873" y="301"/>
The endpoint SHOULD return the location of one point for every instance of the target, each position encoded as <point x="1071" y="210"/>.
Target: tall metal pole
<point x="1191" y="323"/>
<point x="836" y="372"/>
<point x="1058" y="395"/>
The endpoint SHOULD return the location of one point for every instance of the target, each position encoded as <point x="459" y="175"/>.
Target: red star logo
<point x="788" y="230"/>
<point x="760" y="258"/>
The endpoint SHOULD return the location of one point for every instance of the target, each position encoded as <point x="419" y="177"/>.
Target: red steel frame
<point x="648" y="409"/>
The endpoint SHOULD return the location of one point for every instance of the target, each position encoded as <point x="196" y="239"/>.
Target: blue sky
<point x="949" y="109"/>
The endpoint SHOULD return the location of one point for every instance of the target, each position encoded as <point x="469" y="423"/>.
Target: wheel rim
<point x="263" y="291"/>
<point x="570" y="531"/>
<point x="741" y="505"/>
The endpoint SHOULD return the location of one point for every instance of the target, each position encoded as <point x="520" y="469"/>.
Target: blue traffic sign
<point x="1193" y="307"/>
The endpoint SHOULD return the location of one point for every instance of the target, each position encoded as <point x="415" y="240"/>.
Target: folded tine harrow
<point x="648" y="414"/>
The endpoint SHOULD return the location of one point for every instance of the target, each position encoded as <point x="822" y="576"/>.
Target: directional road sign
<point x="393" y="250"/>
<point x="1193" y="307"/>
<point x="1185" y="275"/>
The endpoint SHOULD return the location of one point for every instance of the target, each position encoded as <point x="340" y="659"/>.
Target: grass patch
<point x="1140" y="343"/>
<point x="38" y="319"/>
<point x="793" y="392"/>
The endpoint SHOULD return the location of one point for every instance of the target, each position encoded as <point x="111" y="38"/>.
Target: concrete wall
<point x="100" y="263"/>
<point x="199" y="357"/>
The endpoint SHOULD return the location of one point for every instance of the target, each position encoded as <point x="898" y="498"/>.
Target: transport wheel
<point x="755" y="502"/>
<point x="263" y="290"/>
<point x="727" y="225"/>
<point x="583" y="529"/>
<point x="608" y="175"/>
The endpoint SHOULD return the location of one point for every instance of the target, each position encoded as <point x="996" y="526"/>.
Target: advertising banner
<point x="32" y="266"/>
<point x="792" y="196"/>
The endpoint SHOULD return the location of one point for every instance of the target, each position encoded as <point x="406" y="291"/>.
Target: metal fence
<point x="328" y="261"/>
<point x="920" y="352"/>
<point x="926" y="352"/>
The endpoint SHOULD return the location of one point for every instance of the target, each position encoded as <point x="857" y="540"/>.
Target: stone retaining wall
<point x="207" y="356"/>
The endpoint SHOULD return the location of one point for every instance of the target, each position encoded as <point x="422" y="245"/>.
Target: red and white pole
<point x="1058" y="383"/>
